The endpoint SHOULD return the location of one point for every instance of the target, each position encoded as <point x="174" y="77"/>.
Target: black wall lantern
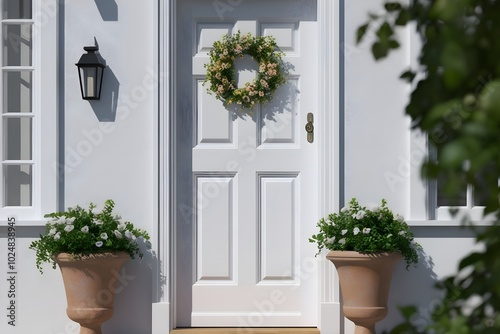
<point x="90" y="70"/>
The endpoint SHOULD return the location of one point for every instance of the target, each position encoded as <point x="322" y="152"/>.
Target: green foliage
<point x="456" y="102"/>
<point x="82" y="232"/>
<point x="357" y="228"/>
<point x="221" y="71"/>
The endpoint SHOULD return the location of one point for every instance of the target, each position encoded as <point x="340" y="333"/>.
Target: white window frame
<point x="475" y="212"/>
<point x="423" y="193"/>
<point x="44" y="109"/>
<point x="424" y="207"/>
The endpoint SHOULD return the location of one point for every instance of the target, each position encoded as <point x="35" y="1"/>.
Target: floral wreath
<point x="221" y="76"/>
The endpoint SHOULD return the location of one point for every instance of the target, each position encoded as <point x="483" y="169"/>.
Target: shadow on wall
<point x="134" y="296"/>
<point x="105" y="108"/>
<point x="108" y="9"/>
<point x="416" y="286"/>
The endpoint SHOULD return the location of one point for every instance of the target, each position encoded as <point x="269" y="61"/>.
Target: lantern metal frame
<point x="91" y="73"/>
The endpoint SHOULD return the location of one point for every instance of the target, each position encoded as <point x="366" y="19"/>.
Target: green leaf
<point x="393" y="44"/>
<point x="403" y="18"/>
<point x="440" y="113"/>
<point x="471" y="259"/>
<point x="408" y="311"/>
<point x="489" y="97"/>
<point x="455" y="67"/>
<point x="453" y="154"/>
<point x="408" y="75"/>
<point x="380" y="50"/>
<point x="385" y="31"/>
<point x="392" y="6"/>
<point x="361" y="32"/>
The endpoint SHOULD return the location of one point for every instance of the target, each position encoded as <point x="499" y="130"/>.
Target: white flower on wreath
<point x="85" y="229"/>
<point x="366" y="230"/>
<point x="52" y="231"/>
<point x="57" y="236"/>
<point x="118" y="234"/>
<point x="104" y="236"/>
<point x="343" y="232"/>
<point x="355" y="231"/>
<point x="69" y="228"/>
<point x="99" y="243"/>
<point x="70" y="221"/>
<point x="342" y="241"/>
<point x="400" y="218"/>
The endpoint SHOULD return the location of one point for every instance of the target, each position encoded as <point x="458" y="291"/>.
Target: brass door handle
<point x="310" y="127"/>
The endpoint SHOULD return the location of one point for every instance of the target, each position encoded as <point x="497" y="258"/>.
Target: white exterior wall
<point x="103" y="159"/>
<point x="117" y="159"/>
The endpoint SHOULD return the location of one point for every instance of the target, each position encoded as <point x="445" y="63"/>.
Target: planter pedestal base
<point x="90" y="319"/>
<point x="365" y="318"/>
<point x="365" y="280"/>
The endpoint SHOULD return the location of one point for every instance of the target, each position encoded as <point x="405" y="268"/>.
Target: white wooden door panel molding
<point x="215" y="233"/>
<point x="277" y="224"/>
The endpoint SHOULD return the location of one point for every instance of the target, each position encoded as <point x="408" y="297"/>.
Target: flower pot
<point x="365" y="280"/>
<point x="90" y="287"/>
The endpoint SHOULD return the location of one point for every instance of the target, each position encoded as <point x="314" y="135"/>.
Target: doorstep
<point x="245" y="330"/>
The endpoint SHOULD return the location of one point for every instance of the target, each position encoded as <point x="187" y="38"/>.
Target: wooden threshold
<point x="244" y="330"/>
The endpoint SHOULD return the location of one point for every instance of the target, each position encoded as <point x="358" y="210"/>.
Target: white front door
<point x="246" y="183"/>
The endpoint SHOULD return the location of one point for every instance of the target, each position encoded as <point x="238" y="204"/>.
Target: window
<point x="17" y="98"/>
<point x="468" y="201"/>
<point x="429" y="202"/>
<point x="25" y="153"/>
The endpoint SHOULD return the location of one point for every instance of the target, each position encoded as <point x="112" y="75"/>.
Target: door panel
<point x="246" y="181"/>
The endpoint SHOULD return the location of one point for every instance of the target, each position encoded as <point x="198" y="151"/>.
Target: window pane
<point x="480" y="197"/>
<point x="17" y="43"/>
<point x="444" y="200"/>
<point x="17" y="9"/>
<point x="484" y="187"/>
<point x="18" y="180"/>
<point x="17" y="139"/>
<point x="17" y="91"/>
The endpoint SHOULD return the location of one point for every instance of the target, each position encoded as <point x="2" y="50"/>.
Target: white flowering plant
<point x="81" y="232"/>
<point x="367" y="230"/>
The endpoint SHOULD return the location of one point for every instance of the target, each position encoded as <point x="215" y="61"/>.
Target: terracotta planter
<point x="365" y="280"/>
<point x="90" y="287"/>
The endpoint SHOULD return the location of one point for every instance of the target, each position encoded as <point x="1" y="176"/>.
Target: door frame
<point x="330" y="18"/>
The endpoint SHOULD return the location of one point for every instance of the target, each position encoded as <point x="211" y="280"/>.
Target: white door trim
<point x="328" y="168"/>
<point x="161" y="313"/>
<point x="330" y="318"/>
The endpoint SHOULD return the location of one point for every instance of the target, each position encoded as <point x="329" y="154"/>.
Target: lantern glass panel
<point x="90" y="81"/>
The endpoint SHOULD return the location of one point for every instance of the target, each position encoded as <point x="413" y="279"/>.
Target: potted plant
<point x="90" y="248"/>
<point x="364" y="245"/>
